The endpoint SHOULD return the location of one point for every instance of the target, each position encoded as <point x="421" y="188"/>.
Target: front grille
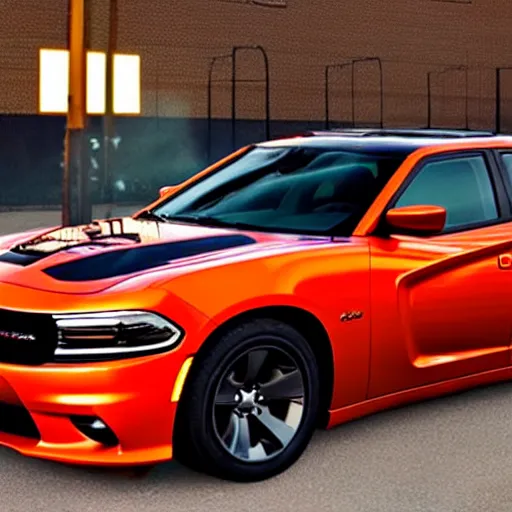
<point x="26" y="338"/>
<point x="16" y="420"/>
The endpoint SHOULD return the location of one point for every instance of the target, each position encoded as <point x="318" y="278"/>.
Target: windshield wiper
<point x="205" y="220"/>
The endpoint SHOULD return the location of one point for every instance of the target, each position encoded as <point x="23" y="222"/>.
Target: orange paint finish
<point x="438" y="311"/>
<point x="426" y="219"/>
<point x="133" y="396"/>
<point x="433" y="316"/>
<point x="310" y="279"/>
<point x="123" y="394"/>
<point x="408" y="396"/>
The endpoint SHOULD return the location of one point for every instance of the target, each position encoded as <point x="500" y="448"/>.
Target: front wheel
<point x="251" y="404"/>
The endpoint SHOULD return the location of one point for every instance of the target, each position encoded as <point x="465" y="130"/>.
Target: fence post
<point x="429" y="91"/>
<point x="498" y="100"/>
<point x="327" y="89"/>
<point x="209" y="102"/>
<point x="378" y="60"/>
<point x="234" y="81"/>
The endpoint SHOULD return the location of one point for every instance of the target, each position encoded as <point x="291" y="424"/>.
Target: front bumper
<point x="132" y="397"/>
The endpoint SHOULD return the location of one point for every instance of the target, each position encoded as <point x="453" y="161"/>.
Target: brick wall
<point x="177" y="39"/>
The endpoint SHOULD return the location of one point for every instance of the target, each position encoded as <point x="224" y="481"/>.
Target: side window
<point x="461" y="185"/>
<point x="507" y="160"/>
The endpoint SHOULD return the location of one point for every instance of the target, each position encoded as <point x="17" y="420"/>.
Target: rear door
<point x="441" y="304"/>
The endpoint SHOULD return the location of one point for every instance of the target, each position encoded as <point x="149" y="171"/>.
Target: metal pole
<point x="441" y="72"/>
<point x="327" y="69"/>
<point x="381" y="74"/>
<point x="75" y="124"/>
<point x="498" y="100"/>
<point x="267" y="91"/>
<point x="233" y="98"/>
<point x="209" y="100"/>
<point x="467" y="97"/>
<point x="108" y="119"/>
<point x="85" y="184"/>
<point x="429" y="100"/>
<point x="209" y="110"/>
<point x="263" y="52"/>
<point x="381" y="84"/>
<point x="234" y="80"/>
<point x="157" y="97"/>
<point x="353" y="85"/>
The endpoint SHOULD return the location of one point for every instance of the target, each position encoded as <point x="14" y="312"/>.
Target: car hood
<point x="91" y="258"/>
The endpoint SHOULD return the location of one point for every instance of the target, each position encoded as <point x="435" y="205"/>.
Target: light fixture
<point x="54" y="82"/>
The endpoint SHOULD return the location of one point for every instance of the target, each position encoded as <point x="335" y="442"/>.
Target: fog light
<point x="96" y="429"/>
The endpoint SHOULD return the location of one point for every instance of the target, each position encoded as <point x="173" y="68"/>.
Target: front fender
<point x="327" y="282"/>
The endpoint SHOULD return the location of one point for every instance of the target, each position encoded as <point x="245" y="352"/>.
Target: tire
<point x="210" y="424"/>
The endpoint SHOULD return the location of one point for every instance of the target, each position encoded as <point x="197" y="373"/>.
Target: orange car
<point x="297" y="283"/>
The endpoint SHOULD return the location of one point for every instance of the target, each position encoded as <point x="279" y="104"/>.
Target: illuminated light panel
<point x="54" y="83"/>
<point x="96" y="80"/>
<point x="126" y="84"/>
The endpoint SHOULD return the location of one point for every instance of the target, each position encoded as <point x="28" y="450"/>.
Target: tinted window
<point x="300" y="190"/>
<point x="507" y="160"/>
<point x="461" y="185"/>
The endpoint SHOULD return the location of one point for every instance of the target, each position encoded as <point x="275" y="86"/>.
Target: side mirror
<point x="420" y="219"/>
<point x="164" y="191"/>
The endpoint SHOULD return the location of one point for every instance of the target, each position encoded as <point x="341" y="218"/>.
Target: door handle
<point x="505" y="261"/>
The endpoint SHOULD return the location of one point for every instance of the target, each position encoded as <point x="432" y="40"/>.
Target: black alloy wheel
<point x="250" y="405"/>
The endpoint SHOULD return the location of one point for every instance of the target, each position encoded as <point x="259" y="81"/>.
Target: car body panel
<point x="122" y="394"/>
<point x="408" y="396"/>
<point x="310" y="279"/>
<point x="440" y="310"/>
<point x="407" y="317"/>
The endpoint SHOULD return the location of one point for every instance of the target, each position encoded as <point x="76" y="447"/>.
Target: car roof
<point x="385" y="140"/>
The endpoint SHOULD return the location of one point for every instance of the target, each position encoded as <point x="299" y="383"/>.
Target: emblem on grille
<point x="16" y="336"/>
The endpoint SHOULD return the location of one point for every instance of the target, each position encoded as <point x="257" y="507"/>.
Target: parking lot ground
<point x="15" y="221"/>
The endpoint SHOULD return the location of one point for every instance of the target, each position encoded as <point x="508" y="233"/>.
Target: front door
<point x="441" y="305"/>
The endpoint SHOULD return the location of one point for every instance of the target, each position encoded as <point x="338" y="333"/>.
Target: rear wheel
<point x="251" y="404"/>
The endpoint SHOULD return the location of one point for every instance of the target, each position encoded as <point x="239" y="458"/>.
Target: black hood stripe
<point x="137" y="259"/>
<point x="16" y="258"/>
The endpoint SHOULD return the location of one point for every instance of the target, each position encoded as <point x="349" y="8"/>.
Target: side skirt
<point x="368" y="407"/>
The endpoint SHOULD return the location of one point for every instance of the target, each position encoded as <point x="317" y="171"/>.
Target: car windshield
<point x="314" y="191"/>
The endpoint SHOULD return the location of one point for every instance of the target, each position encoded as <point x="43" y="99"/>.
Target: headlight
<point x="113" y="335"/>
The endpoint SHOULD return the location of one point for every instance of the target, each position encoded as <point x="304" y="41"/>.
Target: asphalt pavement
<point x="15" y="221"/>
<point x="452" y="454"/>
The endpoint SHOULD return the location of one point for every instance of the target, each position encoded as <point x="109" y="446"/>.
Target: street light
<point x="54" y="83"/>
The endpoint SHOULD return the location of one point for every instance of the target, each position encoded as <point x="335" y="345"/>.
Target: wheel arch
<point x="305" y="323"/>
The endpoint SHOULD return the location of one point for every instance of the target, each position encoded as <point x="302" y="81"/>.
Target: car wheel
<point x="250" y="405"/>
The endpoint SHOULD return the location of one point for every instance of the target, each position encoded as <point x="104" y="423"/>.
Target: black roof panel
<point x="381" y="140"/>
<point x="405" y="132"/>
